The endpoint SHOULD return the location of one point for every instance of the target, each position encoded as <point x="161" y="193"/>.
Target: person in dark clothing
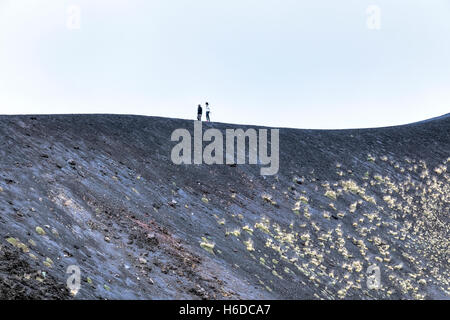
<point x="207" y="111"/>
<point x="199" y="112"/>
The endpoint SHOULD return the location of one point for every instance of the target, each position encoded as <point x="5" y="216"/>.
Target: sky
<point x="321" y="64"/>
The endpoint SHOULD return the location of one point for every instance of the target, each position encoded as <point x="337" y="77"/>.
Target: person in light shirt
<point x="208" y="111"/>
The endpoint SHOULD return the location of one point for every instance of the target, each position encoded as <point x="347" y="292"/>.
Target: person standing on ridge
<point x="199" y="112"/>
<point x="207" y="111"/>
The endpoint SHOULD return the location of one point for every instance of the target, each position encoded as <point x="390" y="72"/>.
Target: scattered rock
<point x="151" y="239"/>
<point x="298" y="180"/>
<point x="173" y="203"/>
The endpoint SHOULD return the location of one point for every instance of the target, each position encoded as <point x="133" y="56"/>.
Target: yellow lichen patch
<point x="40" y="231"/>
<point x="372" y="216"/>
<point x="369" y="199"/>
<point x="390" y="201"/>
<point x="352" y="186"/>
<point x="357" y="266"/>
<point x="303" y="199"/>
<point x="263" y="225"/>
<point x="353" y="207"/>
<point x="306" y="213"/>
<point x="378" y="178"/>
<point x="398" y="266"/>
<point x="12" y="241"/>
<point x="18" y="244"/>
<point x="275" y="273"/>
<point x="23" y="247"/>
<point x="440" y="169"/>
<point x="325" y="236"/>
<point x="207" y="245"/>
<point x="48" y="262"/>
<point x="235" y="232"/>
<point x="249" y="245"/>
<point x="342" y="293"/>
<point x="331" y="194"/>
<point x="247" y="229"/>
<point x="305" y="237"/>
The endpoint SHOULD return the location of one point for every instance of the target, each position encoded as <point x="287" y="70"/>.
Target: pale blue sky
<point x="283" y="63"/>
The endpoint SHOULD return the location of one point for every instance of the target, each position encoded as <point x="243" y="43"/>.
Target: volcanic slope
<point x="100" y="192"/>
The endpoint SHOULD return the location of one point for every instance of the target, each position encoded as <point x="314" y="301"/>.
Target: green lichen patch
<point x="40" y="231"/>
